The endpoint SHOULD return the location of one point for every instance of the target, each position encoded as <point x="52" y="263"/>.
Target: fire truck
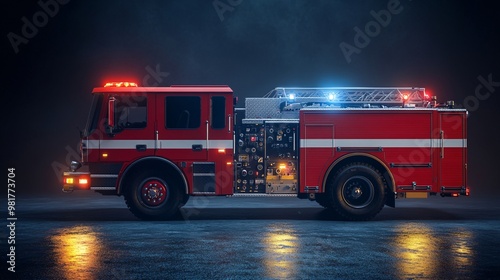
<point x="352" y="150"/>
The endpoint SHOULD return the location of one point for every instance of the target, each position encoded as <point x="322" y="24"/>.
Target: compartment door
<point x="452" y="151"/>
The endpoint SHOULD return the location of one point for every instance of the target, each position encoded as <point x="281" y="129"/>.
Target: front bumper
<point x="75" y="181"/>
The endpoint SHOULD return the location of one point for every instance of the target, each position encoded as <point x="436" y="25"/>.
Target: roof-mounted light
<point x="427" y="95"/>
<point x="291" y="96"/>
<point x="120" y="84"/>
<point x="331" y="96"/>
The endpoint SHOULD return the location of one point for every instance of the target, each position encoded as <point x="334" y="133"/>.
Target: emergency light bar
<point x="120" y="84"/>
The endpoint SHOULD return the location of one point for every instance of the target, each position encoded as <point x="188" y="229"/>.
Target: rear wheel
<point x="357" y="192"/>
<point x="153" y="197"/>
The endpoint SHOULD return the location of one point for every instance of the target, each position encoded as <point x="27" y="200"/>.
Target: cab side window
<point x="131" y="112"/>
<point x="182" y="112"/>
<point x="218" y="112"/>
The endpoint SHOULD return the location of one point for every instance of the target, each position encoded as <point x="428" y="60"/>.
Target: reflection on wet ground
<point x="262" y="250"/>
<point x="423" y="252"/>
<point x="52" y="246"/>
<point x="415" y="250"/>
<point x="281" y="252"/>
<point x="77" y="251"/>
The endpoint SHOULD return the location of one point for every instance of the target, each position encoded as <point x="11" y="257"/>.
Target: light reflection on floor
<point x="77" y="252"/>
<point x="281" y="252"/>
<point x="462" y="249"/>
<point x="413" y="244"/>
<point x="421" y="252"/>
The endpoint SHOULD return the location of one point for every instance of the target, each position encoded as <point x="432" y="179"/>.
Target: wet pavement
<point x="89" y="236"/>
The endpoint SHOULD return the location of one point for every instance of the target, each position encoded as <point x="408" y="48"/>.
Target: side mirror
<point x="111" y="114"/>
<point x="111" y="111"/>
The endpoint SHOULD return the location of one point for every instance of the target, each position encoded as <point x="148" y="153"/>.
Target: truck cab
<point x="156" y="145"/>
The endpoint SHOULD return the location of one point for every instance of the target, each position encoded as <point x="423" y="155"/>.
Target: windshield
<point x="93" y="118"/>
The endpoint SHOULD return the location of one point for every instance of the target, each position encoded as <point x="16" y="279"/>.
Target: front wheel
<point x="153" y="197"/>
<point x="357" y="192"/>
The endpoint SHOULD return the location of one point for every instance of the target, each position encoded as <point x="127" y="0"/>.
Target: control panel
<point x="281" y="157"/>
<point x="250" y="155"/>
<point x="266" y="157"/>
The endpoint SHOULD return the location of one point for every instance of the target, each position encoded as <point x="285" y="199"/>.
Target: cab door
<point x="220" y="135"/>
<point x="133" y="133"/>
<point x="196" y="128"/>
<point x="182" y="130"/>
<point x="220" y="131"/>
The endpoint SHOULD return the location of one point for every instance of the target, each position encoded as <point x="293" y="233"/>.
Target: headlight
<point x="74" y="165"/>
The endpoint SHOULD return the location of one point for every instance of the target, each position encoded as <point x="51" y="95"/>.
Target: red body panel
<point x="406" y="141"/>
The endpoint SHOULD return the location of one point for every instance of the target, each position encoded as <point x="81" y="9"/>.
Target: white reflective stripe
<point x="126" y="144"/>
<point x="455" y="143"/>
<point x="180" y="144"/>
<point x="385" y="143"/>
<point x="103" y="176"/>
<point x="103" y="188"/>
<point x="393" y="143"/>
<point x="92" y="144"/>
<point x="188" y="144"/>
<point x="450" y="143"/>
<point x="165" y="144"/>
<point x="316" y="143"/>
<point x="221" y="144"/>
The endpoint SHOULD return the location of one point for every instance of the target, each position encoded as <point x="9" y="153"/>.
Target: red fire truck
<point x="353" y="150"/>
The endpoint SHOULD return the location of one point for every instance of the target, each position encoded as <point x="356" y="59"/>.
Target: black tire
<point x="184" y="200"/>
<point x="322" y="199"/>
<point x="153" y="197"/>
<point x="356" y="192"/>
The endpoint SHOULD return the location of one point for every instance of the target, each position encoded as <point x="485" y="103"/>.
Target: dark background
<point x="443" y="46"/>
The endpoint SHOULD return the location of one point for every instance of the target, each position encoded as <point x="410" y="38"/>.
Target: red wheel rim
<point x="153" y="192"/>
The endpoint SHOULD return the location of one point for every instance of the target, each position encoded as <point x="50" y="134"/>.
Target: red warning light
<point x="427" y="95"/>
<point x="120" y="84"/>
